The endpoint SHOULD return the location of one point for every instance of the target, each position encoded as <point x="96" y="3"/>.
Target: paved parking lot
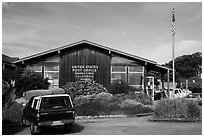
<point x="126" y="126"/>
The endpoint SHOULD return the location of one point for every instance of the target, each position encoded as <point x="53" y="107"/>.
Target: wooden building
<point x="88" y="60"/>
<point x="7" y="62"/>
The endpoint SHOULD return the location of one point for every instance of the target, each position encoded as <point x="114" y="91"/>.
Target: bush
<point x="5" y="87"/>
<point x="177" y="108"/>
<point x="24" y="80"/>
<point x="13" y="114"/>
<point x="103" y="96"/>
<point x="107" y="104"/>
<point x="21" y="101"/>
<point x="195" y="89"/>
<point x="140" y="97"/>
<point x="92" y="99"/>
<point x="129" y="103"/>
<point x="133" y="107"/>
<point x="5" y="94"/>
<point x="91" y="108"/>
<point x="193" y="110"/>
<point x="30" y="82"/>
<point x="136" y="109"/>
<point x="86" y="87"/>
<point x="83" y="99"/>
<point x="119" y="87"/>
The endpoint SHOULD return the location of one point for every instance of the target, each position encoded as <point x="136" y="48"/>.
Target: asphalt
<point x="124" y="126"/>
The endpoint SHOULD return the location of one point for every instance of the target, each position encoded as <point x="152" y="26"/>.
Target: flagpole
<point x="173" y="48"/>
<point x="173" y="62"/>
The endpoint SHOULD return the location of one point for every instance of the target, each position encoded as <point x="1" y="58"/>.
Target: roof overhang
<point x="91" y="43"/>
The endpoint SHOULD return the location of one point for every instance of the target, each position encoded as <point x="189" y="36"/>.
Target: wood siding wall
<point x="85" y="54"/>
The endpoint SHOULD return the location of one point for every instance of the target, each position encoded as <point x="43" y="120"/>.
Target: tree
<point x="188" y="66"/>
<point x="24" y="80"/>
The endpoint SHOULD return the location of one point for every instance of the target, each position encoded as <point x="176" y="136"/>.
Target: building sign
<point x="83" y="72"/>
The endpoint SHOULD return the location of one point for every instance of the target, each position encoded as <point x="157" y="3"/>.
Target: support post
<point x="145" y="78"/>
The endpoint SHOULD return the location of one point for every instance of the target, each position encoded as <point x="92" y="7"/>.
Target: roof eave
<point x="88" y="42"/>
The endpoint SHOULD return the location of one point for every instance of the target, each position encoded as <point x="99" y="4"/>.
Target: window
<point x="51" y="67"/>
<point x="30" y="101"/>
<point x="36" y="69"/>
<point x="118" y="76"/>
<point x="120" y="69"/>
<point x="55" y="102"/>
<point x="119" y="73"/>
<point x="135" y="69"/>
<point x="135" y="76"/>
<point x="51" y="71"/>
<point x="34" y="103"/>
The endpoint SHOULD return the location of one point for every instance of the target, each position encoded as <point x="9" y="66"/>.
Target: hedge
<point x="177" y="108"/>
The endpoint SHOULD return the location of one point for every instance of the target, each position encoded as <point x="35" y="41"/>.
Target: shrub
<point x="13" y="113"/>
<point x="103" y="96"/>
<point x="86" y="87"/>
<point x="83" y="99"/>
<point x="105" y="104"/>
<point x="129" y="103"/>
<point x="5" y="94"/>
<point x="119" y="87"/>
<point x="24" y="80"/>
<point x="21" y="101"/>
<point x="140" y="97"/>
<point x="30" y="82"/>
<point x="136" y="109"/>
<point x="177" y="108"/>
<point x="91" y="108"/>
<point x="196" y="89"/>
<point x="193" y="109"/>
<point x="133" y="107"/>
<point x="5" y="87"/>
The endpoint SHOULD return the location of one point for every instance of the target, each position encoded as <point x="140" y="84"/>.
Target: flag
<point x="173" y="23"/>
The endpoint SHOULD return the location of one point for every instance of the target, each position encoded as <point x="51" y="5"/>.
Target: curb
<point x="111" y="116"/>
<point x="100" y="117"/>
<point x="144" y="114"/>
<point x="174" y="120"/>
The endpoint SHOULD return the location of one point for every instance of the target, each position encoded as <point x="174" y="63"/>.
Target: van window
<point x="55" y="102"/>
<point x="35" y="101"/>
<point x="30" y="102"/>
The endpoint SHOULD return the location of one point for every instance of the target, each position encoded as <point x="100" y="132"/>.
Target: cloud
<point x="162" y="53"/>
<point x="6" y="5"/>
<point x="142" y="29"/>
<point x="188" y="47"/>
<point x="189" y="42"/>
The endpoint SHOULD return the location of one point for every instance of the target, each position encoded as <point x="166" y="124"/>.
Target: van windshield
<point x="55" y="102"/>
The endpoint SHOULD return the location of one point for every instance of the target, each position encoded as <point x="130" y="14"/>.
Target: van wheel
<point x="24" y="122"/>
<point x="34" y="129"/>
<point x="67" y="128"/>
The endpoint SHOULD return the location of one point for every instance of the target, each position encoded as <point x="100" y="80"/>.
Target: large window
<point x="118" y="73"/>
<point x="51" y="71"/>
<point x="133" y="75"/>
<point x="36" y="69"/>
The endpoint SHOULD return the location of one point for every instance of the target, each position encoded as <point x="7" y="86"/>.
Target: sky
<point x="139" y="28"/>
